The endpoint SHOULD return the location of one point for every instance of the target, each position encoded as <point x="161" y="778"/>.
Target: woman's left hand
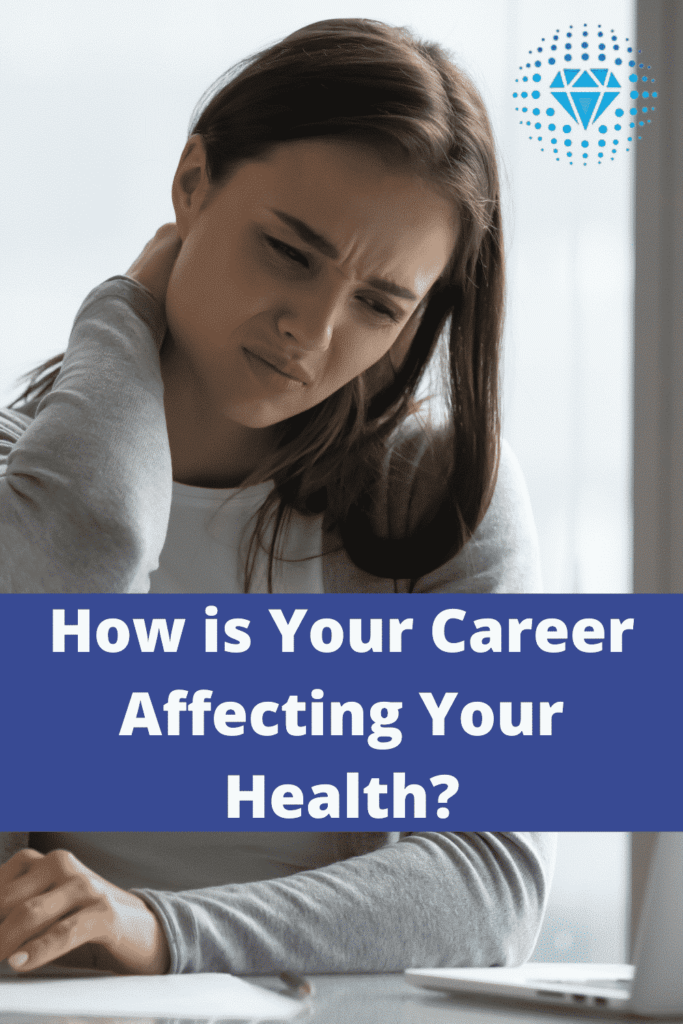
<point x="155" y="263"/>
<point x="51" y="905"/>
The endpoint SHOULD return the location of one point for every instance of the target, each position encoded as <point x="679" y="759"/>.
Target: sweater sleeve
<point x="430" y="899"/>
<point x="85" y="488"/>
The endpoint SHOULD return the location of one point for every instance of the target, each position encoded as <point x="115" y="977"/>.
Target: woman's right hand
<point x="153" y="266"/>
<point x="52" y="907"/>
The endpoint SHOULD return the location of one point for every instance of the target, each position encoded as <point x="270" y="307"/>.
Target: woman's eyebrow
<point x="308" y="235"/>
<point x="323" y="246"/>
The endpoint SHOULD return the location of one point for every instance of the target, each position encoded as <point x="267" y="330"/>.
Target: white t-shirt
<point x="208" y="538"/>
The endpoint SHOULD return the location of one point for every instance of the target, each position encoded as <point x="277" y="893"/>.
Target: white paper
<point x="198" y="996"/>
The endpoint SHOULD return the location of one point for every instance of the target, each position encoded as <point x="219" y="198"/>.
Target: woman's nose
<point x="310" y="321"/>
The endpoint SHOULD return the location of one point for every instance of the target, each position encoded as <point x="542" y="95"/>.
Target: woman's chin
<point x="256" y="416"/>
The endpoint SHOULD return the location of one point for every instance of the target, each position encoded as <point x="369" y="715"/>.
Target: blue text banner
<point x="341" y="712"/>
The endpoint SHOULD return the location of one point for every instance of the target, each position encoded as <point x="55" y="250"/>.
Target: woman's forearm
<point x="432" y="899"/>
<point x="85" y="497"/>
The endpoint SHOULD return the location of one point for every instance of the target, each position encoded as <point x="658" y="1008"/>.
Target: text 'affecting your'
<point x="230" y="717"/>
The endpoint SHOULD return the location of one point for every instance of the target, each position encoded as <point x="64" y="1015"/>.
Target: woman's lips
<point x="267" y="363"/>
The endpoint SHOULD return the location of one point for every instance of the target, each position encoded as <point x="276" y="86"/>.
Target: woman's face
<point x="297" y="274"/>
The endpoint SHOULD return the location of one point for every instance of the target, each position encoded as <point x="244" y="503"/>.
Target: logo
<point x="585" y="95"/>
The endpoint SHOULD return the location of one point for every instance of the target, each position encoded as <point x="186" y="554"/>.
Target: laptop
<point x="652" y="987"/>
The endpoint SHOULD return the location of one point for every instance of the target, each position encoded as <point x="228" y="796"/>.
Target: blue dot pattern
<point x="590" y="89"/>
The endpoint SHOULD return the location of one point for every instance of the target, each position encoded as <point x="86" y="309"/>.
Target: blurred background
<point x="95" y="101"/>
<point x="589" y="913"/>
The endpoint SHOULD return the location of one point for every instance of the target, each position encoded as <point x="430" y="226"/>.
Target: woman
<point x="337" y="207"/>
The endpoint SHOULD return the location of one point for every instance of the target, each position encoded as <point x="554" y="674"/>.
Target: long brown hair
<point x="366" y="81"/>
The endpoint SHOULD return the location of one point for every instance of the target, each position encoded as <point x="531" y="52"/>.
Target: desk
<point x="381" y="999"/>
<point x="389" y="999"/>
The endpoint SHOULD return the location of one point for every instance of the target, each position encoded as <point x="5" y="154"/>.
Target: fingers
<point x="46" y="926"/>
<point x="164" y="246"/>
<point x="13" y="881"/>
<point x="154" y="265"/>
<point x="32" y="873"/>
<point x="38" y="897"/>
<point x="168" y="231"/>
<point x="52" y="904"/>
<point x="17" y="864"/>
<point x="61" y="937"/>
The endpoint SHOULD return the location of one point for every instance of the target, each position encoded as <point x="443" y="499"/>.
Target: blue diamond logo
<point x="587" y="97"/>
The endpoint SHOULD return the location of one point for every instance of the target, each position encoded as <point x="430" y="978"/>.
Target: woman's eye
<point x="380" y="309"/>
<point x="288" y="251"/>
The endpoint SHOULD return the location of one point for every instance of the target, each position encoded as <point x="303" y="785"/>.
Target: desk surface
<point x="388" y="998"/>
<point x="380" y="999"/>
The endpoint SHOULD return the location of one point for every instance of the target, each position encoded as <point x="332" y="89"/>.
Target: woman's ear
<point x="191" y="184"/>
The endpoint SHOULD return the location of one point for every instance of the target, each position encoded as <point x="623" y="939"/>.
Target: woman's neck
<point x="207" y="450"/>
